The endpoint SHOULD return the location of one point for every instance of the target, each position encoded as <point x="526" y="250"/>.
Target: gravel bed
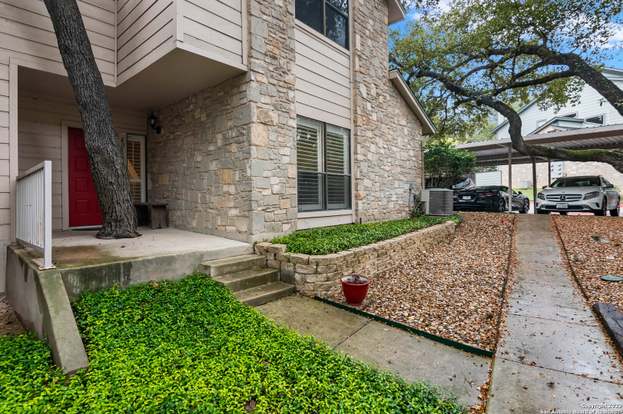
<point x="9" y="325"/>
<point x="595" y="247"/>
<point x="452" y="290"/>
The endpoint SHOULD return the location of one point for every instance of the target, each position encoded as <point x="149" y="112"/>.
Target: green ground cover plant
<point x="327" y="240"/>
<point x="189" y="346"/>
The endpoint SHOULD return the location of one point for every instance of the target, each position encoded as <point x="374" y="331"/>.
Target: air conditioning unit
<point x="439" y="201"/>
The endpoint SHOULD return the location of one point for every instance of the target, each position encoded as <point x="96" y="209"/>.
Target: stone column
<point x="272" y="132"/>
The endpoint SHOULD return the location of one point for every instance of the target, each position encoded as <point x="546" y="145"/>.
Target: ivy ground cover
<point x="334" y="239"/>
<point x="189" y="346"/>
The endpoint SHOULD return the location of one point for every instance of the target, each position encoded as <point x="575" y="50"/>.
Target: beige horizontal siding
<point x="214" y="27"/>
<point x="26" y="32"/>
<point x="145" y="33"/>
<point x="40" y="137"/>
<point x="323" y="86"/>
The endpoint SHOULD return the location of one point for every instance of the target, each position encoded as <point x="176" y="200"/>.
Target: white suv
<point x="591" y="193"/>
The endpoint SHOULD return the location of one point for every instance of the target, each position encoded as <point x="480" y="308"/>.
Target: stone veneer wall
<point x="387" y="144"/>
<point x="317" y="274"/>
<point x="198" y="163"/>
<point x="225" y="161"/>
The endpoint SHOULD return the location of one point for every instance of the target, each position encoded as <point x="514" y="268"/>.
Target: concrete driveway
<point x="554" y="355"/>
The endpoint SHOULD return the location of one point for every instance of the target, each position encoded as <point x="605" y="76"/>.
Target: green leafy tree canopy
<point x="445" y="164"/>
<point x="479" y="56"/>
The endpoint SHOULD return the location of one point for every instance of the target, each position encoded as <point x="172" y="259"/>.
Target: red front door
<point x="84" y="209"/>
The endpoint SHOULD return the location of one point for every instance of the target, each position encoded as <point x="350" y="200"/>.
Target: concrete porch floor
<point x="80" y="247"/>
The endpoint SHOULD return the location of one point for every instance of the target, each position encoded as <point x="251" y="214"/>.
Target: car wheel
<point x="526" y="207"/>
<point x="604" y="208"/>
<point x="616" y="211"/>
<point x="501" y="205"/>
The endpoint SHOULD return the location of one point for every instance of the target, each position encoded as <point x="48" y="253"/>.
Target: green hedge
<point x="335" y="239"/>
<point x="190" y="346"/>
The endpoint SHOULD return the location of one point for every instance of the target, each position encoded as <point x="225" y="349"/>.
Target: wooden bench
<point x="155" y="215"/>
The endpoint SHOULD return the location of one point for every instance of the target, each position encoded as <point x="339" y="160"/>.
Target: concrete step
<point x="234" y="264"/>
<point x="247" y="279"/>
<point x="265" y="293"/>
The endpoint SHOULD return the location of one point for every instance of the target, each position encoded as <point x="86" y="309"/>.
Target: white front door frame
<point x="65" y="125"/>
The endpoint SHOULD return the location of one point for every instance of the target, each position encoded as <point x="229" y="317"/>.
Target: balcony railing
<point x="34" y="211"/>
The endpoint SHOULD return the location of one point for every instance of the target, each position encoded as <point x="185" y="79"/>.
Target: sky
<point x="613" y="52"/>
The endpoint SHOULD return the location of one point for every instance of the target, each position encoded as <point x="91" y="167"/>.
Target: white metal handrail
<point x="33" y="201"/>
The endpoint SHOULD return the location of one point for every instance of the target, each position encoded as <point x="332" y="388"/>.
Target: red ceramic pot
<point x="355" y="289"/>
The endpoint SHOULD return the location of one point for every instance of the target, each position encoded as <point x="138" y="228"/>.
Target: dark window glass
<point x="596" y="119"/>
<point x="329" y="17"/>
<point x="310" y="13"/>
<point x="577" y="182"/>
<point x="338" y="192"/>
<point x="337" y="27"/>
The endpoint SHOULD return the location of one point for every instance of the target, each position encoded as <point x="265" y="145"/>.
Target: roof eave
<point x="428" y="128"/>
<point x="396" y="12"/>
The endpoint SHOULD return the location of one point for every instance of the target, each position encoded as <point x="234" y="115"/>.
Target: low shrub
<point x="189" y="346"/>
<point x="327" y="240"/>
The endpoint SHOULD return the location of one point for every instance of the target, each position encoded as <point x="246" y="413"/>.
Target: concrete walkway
<point x="554" y="354"/>
<point x="412" y="357"/>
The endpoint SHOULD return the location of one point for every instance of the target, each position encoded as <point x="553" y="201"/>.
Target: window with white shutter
<point x="135" y="154"/>
<point x="323" y="162"/>
<point x="309" y="165"/>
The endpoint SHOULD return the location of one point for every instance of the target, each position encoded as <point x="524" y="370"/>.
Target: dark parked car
<point x="489" y="198"/>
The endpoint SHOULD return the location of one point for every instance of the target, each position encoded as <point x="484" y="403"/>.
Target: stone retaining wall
<point x="317" y="274"/>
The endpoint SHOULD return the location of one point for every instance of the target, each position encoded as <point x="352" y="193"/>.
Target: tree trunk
<point x="108" y="168"/>
<point x="588" y="73"/>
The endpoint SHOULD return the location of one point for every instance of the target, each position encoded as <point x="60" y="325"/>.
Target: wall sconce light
<point x="154" y="123"/>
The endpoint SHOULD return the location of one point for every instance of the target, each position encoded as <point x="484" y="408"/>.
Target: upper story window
<point x="329" y="17"/>
<point x="599" y="119"/>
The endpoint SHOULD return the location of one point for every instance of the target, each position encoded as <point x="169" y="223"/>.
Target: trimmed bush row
<point x="189" y="346"/>
<point x="327" y="240"/>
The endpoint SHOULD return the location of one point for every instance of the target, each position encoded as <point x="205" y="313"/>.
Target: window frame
<point x="140" y="138"/>
<point x="325" y="4"/>
<point x="322" y="166"/>
<point x="602" y="116"/>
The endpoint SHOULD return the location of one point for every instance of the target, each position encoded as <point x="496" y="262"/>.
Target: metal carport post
<point x="534" y="183"/>
<point x="510" y="178"/>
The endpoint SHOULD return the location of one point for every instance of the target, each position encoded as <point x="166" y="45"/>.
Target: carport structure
<point x="501" y="152"/>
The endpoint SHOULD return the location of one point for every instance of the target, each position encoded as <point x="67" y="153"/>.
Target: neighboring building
<point x="591" y="110"/>
<point x="270" y="118"/>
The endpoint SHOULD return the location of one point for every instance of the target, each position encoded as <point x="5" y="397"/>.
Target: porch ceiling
<point x="175" y="76"/>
